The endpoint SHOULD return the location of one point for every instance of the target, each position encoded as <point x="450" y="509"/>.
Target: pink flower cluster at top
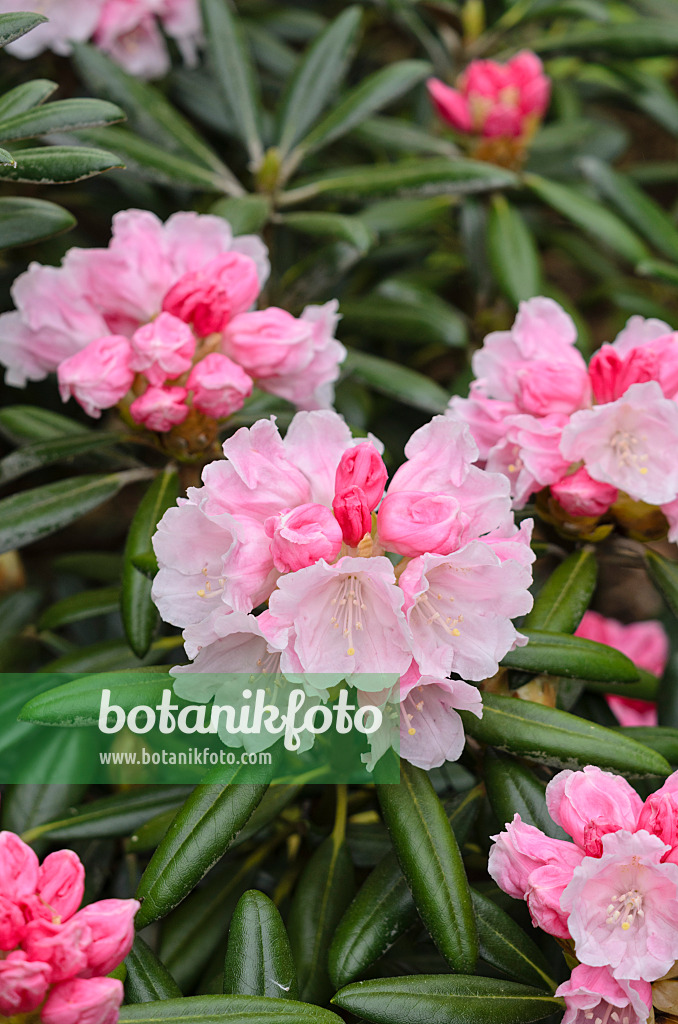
<point x="303" y="524"/>
<point x="645" y="643"/>
<point x="161" y="320"/>
<point x="545" y="419"/>
<point x="495" y="100"/>
<point x="613" y="892"/>
<point x="132" y="32"/>
<point x="54" y="958"/>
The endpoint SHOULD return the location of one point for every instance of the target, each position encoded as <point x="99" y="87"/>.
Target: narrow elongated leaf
<point x="147" y="978"/>
<point x="604" y="226"/>
<point x="25" y="221"/>
<point x="506" y="947"/>
<point x="512" y="788"/>
<point x="63" y="115"/>
<point x="198" y="837"/>
<point x="59" y="164"/>
<point x="332" y="225"/>
<point x="566" y="595"/>
<point x="558" y="738"/>
<point x="78" y="702"/>
<point x="259" y="959"/>
<point x="320" y="899"/>
<point x="86" y="604"/>
<point x="513" y="252"/>
<point x="139" y="614"/>
<point x="25" y="807"/>
<point x="25" y="97"/>
<point x="397" y="381"/>
<point x="15" y="25"/>
<point x="231" y="64"/>
<point x="445" y="999"/>
<point x="227" y="1010"/>
<point x="45" y="453"/>
<point x="317" y="78"/>
<point x="659" y="269"/>
<point x="397" y="135"/>
<point x="25" y="423"/>
<point x="416" y="318"/>
<point x="664" y="575"/>
<point x="663" y="739"/>
<point x="431" y="862"/>
<point x="644" y="37"/>
<point x="560" y="654"/>
<point x="245" y="214"/>
<point x="6" y="159"/>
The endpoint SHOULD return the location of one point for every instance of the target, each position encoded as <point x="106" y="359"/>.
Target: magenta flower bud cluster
<point x="589" y="434"/>
<point x="54" y="958"/>
<point x="131" y="32"/>
<point x="612" y="893"/>
<point x="406" y="582"/>
<point x="160" y="321"/>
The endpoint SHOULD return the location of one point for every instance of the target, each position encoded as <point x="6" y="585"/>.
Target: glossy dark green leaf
<point x="25" y="97"/>
<point x="86" y="604"/>
<point x="15" y="25"/>
<point x="664" y="574"/>
<point x="234" y="75"/>
<point x="506" y="947"/>
<point x="659" y="269"/>
<point x="105" y="656"/>
<point x="26" y="807"/>
<point x="24" y="221"/>
<point x="44" y="453"/>
<point x="78" y="702"/>
<point x="396" y="135"/>
<point x="227" y="1010"/>
<point x="60" y="116"/>
<point x="643" y="37"/>
<point x="139" y="613"/>
<point x="555" y="737"/>
<point x="245" y="214"/>
<point x="431" y="862"/>
<point x="317" y="77"/>
<point x="397" y="381"/>
<point x="332" y="225"/>
<point x="663" y="739"/>
<point x="198" y="837"/>
<point x="445" y="999"/>
<point x="406" y="214"/>
<point x="417" y="318"/>
<point x="513" y="252"/>
<point x="148" y="980"/>
<point x="560" y="654"/>
<point x="17" y="610"/>
<point x="513" y="788"/>
<point x="152" y="162"/>
<point x="259" y="959"/>
<point x="593" y="218"/>
<point x="6" y="159"/>
<point x="319" y="902"/>
<point x="26" y="423"/>
<point x="59" y="164"/>
<point x="566" y="595"/>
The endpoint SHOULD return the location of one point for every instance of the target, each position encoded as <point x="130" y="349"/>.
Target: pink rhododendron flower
<point x="70" y="21"/>
<point x="210" y="297"/>
<point x="99" y="376"/>
<point x="164" y="348"/>
<point x="414" y="522"/>
<point x="362" y="466"/>
<point x="219" y="386"/>
<point x="529" y="454"/>
<point x="494" y="99"/>
<point x="303" y="536"/>
<point x="592" y="994"/>
<point x="352" y="511"/>
<point x="580" y="495"/>
<point x="160" y="408"/>
<point x="431" y="731"/>
<point x="80" y="1001"/>
<point x="590" y="803"/>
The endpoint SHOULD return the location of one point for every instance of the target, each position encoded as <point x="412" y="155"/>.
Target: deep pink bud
<point x="160" y="408"/>
<point x="581" y="495"/>
<point x="164" y="348"/>
<point x="62" y="946"/>
<point x="84" y="1001"/>
<point x="219" y="386"/>
<point x="414" y="522"/>
<point x="23" y="984"/>
<point x="61" y="883"/>
<point x="352" y="511"/>
<point x="98" y="376"/>
<point x="12" y="924"/>
<point x="611" y="374"/>
<point x="209" y="298"/>
<point x="111" y="923"/>
<point x="590" y="803"/>
<point x="362" y="466"/>
<point x="450" y="105"/>
<point x="19" y="867"/>
<point x="660" y="816"/>
<point x="303" y="536"/>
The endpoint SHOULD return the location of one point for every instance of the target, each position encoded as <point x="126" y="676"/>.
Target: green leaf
<point x="25" y="221"/>
<point x="506" y="947"/>
<point x="603" y="226"/>
<point x="663" y="739"/>
<point x="25" y="807"/>
<point x="317" y="77"/>
<point x="25" y="423"/>
<point x="59" y="164"/>
<point x="646" y="216"/>
<point x="664" y="575"/>
<point x="396" y="381"/>
<point x="32" y="515"/>
<point x="557" y="738"/>
<point x="227" y="1010"/>
<point x="259" y="959"/>
<point x="44" y="453"/>
<point x="431" y="862"/>
<point x="566" y="595"/>
<point x="513" y="253"/>
<point x="78" y="703"/>
<point x="643" y="37"/>
<point x="104" y="656"/>
<point x="233" y="72"/>
<point x="320" y="898"/>
<point x="147" y="978"/>
<point x="395" y="215"/>
<point x="417" y="316"/>
<point x="86" y="604"/>
<point x="659" y="269"/>
<point x="560" y="654"/>
<point x="512" y="788"/>
<point x="63" y="115"/>
<point x="198" y="837"/>
<point x="13" y="26"/>
<point x="445" y="999"/>
<point x="333" y="225"/>
<point x="6" y="159"/>
<point x="245" y="214"/>
<point x="25" y="97"/>
<point x="139" y="613"/>
<point x="397" y="135"/>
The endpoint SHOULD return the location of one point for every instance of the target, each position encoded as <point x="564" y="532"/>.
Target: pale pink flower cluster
<point x="612" y="893"/>
<point x="645" y="643"/>
<point x="160" y="320"/>
<point x="545" y="419"/>
<point x="495" y="100"/>
<point x="417" y="585"/>
<point x="132" y="32"/>
<point x="54" y="958"/>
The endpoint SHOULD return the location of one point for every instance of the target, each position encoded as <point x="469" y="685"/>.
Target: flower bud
<point x="303" y="536"/>
<point x="84" y="1001"/>
<point x="111" y="923"/>
<point x="12" y="923"/>
<point x="362" y="466"/>
<point x="590" y="803"/>
<point x="164" y="348"/>
<point x="581" y="495"/>
<point x="61" y="883"/>
<point x="270" y="342"/>
<point x="98" y="376"/>
<point x="19" y="867"/>
<point x="23" y="984"/>
<point x="219" y="386"/>
<point x="62" y="946"/>
<point x="352" y="512"/>
<point x="209" y="298"/>
<point x="414" y="522"/>
<point x="612" y="374"/>
<point x="160" y="408"/>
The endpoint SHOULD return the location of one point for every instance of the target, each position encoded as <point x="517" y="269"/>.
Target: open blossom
<point x="592" y="994"/>
<point x="290" y="522"/>
<point x="51" y="953"/>
<point x="98" y="376"/>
